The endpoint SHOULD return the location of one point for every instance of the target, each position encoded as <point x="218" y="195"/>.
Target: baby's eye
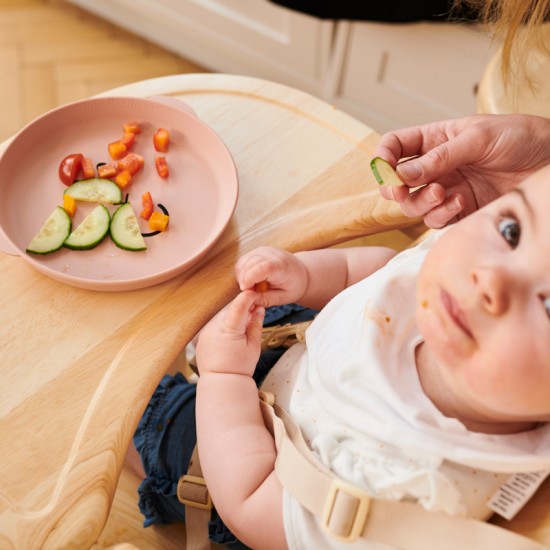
<point x="510" y="230"/>
<point x="546" y="304"/>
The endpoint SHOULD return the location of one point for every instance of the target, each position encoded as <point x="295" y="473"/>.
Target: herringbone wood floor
<point x="52" y="52"/>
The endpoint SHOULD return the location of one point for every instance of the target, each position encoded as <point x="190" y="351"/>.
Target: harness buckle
<point x="345" y="511"/>
<point x="192" y="491"/>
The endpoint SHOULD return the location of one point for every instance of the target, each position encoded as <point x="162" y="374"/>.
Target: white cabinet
<point x="390" y="76"/>
<point x="387" y="75"/>
<point x="248" y="37"/>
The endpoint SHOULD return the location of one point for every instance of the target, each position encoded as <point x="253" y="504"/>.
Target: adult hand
<point x="451" y="168"/>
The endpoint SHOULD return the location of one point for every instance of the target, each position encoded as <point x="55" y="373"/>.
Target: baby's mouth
<point x="455" y="313"/>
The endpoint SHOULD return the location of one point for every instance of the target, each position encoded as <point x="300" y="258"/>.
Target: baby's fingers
<point x="243" y="314"/>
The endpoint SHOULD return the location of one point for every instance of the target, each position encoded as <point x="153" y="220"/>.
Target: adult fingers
<point x="418" y="202"/>
<point x="440" y="161"/>
<point x="445" y="213"/>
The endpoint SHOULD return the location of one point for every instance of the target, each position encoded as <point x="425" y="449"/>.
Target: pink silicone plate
<point x="200" y="193"/>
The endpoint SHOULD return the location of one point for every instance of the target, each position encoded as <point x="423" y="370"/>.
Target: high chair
<point x="305" y="183"/>
<point x="493" y="97"/>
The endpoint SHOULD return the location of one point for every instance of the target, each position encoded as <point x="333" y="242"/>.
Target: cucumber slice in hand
<point x="95" y="190"/>
<point x="91" y="231"/>
<point x="384" y="173"/>
<point x="125" y="230"/>
<point x="52" y="234"/>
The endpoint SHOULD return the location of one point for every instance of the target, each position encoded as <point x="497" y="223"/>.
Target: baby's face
<point x="484" y="305"/>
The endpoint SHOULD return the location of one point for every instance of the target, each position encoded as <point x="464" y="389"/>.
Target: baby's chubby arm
<point x="236" y="451"/>
<point x="311" y="278"/>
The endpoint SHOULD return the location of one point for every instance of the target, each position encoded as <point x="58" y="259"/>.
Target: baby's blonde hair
<point x="517" y="24"/>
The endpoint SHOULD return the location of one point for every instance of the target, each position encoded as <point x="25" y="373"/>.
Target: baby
<point x="425" y="377"/>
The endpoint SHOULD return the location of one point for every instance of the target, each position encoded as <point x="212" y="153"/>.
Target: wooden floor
<point x="52" y="52"/>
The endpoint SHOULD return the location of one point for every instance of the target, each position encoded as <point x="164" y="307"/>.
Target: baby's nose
<point x="493" y="288"/>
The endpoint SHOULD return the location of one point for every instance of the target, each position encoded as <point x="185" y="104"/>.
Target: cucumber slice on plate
<point x="52" y="234"/>
<point x="125" y="230"/>
<point x="384" y="173"/>
<point x="91" y="231"/>
<point x="95" y="190"/>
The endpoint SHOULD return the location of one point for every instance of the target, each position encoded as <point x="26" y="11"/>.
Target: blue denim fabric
<point x="166" y="436"/>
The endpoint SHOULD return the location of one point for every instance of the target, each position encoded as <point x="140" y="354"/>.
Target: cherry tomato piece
<point x="162" y="167"/>
<point x="161" y="140"/>
<point x="88" y="170"/>
<point x="69" y="168"/>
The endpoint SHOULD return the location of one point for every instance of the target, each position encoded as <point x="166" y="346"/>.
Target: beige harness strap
<point x="192" y="492"/>
<point x="347" y="512"/>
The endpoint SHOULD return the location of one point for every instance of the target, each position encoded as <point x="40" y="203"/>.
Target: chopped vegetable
<point x="88" y="170"/>
<point x="131" y="128"/>
<point x="131" y="162"/>
<point x="125" y="229"/>
<point x="162" y="167"/>
<point x="148" y="206"/>
<point x="91" y="231"/>
<point x="128" y="139"/>
<point x="52" y="234"/>
<point x="384" y="173"/>
<point x="69" y="168"/>
<point x="95" y="190"/>
<point x="161" y="140"/>
<point x="262" y="286"/>
<point x="69" y="204"/>
<point x="107" y="170"/>
<point x="158" y="221"/>
<point x="117" y="149"/>
<point x="123" y="179"/>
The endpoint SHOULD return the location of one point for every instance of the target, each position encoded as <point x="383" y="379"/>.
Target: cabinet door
<point x="250" y="37"/>
<point x="400" y="75"/>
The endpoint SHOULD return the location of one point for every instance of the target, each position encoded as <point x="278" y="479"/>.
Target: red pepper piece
<point x="148" y="206"/>
<point x="162" y="167"/>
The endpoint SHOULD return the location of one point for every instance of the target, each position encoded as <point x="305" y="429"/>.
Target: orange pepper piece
<point x="161" y="140"/>
<point x="69" y="204"/>
<point x="128" y="139"/>
<point x="123" y="179"/>
<point x="131" y="128"/>
<point x="117" y="149"/>
<point x="158" y="221"/>
<point x="262" y="286"/>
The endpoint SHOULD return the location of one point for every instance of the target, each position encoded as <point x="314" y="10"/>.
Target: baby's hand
<point x="230" y="343"/>
<point x="284" y="273"/>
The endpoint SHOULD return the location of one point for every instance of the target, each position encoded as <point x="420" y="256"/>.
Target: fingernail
<point x="432" y="195"/>
<point x="454" y="205"/>
<point x="409" y="170"/>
